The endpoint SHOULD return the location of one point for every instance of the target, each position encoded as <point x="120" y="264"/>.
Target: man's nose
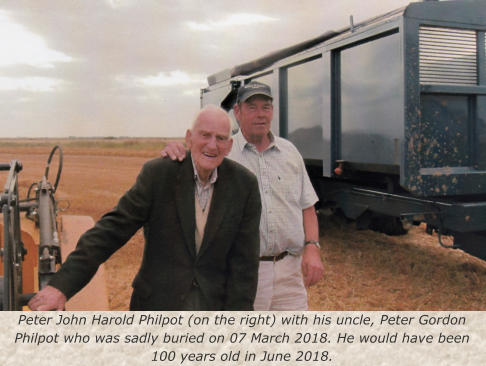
<point x="261" y="112"/>
<point x="212" y="143"/>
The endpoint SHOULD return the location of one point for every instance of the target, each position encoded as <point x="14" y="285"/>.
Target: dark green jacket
<point x="162" y="201"/>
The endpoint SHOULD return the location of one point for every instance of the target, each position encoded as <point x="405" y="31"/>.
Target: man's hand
<point x="174" y="150"/>
<point x="312" y="267"/>
<point x="49" y="298"/>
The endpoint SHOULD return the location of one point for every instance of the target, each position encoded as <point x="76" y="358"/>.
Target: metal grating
<point x="448" y="56"/>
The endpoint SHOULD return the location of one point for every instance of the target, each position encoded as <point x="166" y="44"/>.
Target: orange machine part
<point x="30" y="236"/>
<point x="29" y="265"/>
<point x="92" y="297"/>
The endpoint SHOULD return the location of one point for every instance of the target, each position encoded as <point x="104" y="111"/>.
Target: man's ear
<point x="236" y="112"/>
<point x="188" y="139"/>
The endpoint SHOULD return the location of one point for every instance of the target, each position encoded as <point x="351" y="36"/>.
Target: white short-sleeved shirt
<point x="285" y="190"/>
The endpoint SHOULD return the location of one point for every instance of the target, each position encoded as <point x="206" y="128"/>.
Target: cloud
<point x="165" y="79"/>
<point x="230" y="21"/>
<point x="191" y="92"/>
<point x="125" y="45"/>
<point x="25" y="47"/>
<point x="115" y="4"/>
<point x="32" y="84"/>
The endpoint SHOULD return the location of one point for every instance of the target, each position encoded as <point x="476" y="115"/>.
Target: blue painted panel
<point x="371" y="102"/>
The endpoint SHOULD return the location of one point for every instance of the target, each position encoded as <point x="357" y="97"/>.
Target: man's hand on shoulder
<point x="174" y="150"/>
<point x="49" y="298"/>
<point x="312" y="267"/>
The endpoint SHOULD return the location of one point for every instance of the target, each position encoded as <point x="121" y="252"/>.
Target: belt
<point x="274" y="258"/>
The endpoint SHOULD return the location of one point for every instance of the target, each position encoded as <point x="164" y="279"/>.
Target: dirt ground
<point x="364" y="270"/>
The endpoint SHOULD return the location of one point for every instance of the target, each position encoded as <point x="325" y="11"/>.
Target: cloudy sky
<point x="135" y="68"/>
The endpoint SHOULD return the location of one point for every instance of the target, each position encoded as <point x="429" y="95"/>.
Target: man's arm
<point x="174" y="150"/>
<point x="242" y="278"/>
<point x="312" y="267"/>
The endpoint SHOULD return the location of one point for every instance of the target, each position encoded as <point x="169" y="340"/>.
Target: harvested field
<point x="364" y="270"/>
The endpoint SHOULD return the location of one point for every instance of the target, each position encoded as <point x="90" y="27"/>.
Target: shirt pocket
<point x="286" y="184"/>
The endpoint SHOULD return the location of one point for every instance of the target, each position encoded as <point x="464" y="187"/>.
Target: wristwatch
<point x="315" y="242"/>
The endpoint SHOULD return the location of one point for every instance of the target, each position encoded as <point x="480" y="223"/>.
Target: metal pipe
<point x="45" y="225"/>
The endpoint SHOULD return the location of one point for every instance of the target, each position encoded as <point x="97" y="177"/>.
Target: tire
<point x="389" y="225"/>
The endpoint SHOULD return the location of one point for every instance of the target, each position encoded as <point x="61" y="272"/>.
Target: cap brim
<point x="252" y="94"/>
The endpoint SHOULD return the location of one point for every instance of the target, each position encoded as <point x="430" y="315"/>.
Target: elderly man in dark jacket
<point x="201" y="225"/>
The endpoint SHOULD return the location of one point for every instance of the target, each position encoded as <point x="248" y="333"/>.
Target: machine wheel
<point x="389" y="225"/>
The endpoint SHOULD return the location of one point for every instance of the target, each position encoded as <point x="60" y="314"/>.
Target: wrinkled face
<point x="255" y="116"/>
<point x="209" y="141"/>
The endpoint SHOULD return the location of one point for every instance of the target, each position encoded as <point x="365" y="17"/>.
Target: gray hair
<point x="212" y="108"/>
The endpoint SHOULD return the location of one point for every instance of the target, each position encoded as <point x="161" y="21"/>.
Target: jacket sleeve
<point x="110" y="233"/>
<point x="242" y="279"/>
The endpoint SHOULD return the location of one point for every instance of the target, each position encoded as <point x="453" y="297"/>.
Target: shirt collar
<point x="242" y="142"/>
<point x="212" y="177"/>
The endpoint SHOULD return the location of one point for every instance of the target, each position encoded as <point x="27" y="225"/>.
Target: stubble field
<point x="364" y="270"/>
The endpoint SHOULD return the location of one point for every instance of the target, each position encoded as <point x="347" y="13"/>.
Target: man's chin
<point x="210" y="165"/>
<point x="261" y="129"/>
